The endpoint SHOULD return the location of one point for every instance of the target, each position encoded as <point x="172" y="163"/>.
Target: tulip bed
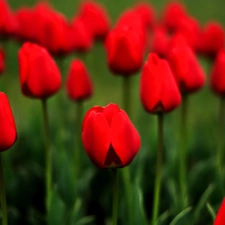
<point x="83" y="194"/>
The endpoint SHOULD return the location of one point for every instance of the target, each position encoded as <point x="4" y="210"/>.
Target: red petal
<point x="220" y="218"/>
<point x="125" y="138"/>
<point x="110" y="110"/>
<point x="96" y="138"/>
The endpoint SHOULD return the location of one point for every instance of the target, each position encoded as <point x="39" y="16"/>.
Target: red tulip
<point x="82" y="38"/>
<point x="39" y="74"/>
<point x="146" y="13"/>
<point x="8" y="133"/>
<point x="158" y="89"/>
<point x="109" y="138"/>
<point x="78" y="85"/>
<point x="218" y="74"/>
<point x="96" y="19"/>
<point x="124" y="48"/>
<point x="25" y="30"/>
<point x="8" y="23"/>
<point x="186" y="69"/>
<point x="220" y="218"/>
<point x="211" y="39"/>
<point x="160" y="41"/>
<point x="172" y="15"/>
<point x="2" y="61"/>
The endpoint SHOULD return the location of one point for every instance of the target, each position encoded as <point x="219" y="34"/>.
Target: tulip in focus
<point x="158" y="89"/>
<point x="220" y="217"/>
<point x="39" y="74"/>
<point x="109" y="138"/>
<point x="217" y="80"/>
<point x="78" y="85"/>
<point x="8" y="132"/>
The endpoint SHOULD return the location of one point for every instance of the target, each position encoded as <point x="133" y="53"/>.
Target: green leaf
<point x="202" y="201"/>
<point x="57" y="210"/>
<point x="163" y="217"/>
<point x="180" y="216"/>
<point x="211" y="210"/>
<point x="85" y="220"/>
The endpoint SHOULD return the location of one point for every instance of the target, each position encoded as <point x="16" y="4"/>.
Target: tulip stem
<point x="2" y="195"/>
<point x="115" y="196"/>
<point x="77" y="150"/>
<point x="220" y="142"/>
<point x="127" y="94"/>
<point x="158" y="177"/>
<point x="126" y="170"/>
<point x="48" y="157"/>
<point x="183" y="152"/>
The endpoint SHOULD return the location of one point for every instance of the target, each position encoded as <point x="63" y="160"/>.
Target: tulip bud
<point x="158" y="89"/>
<point x="125" y="49"/>
<point x="7" y="124"/>
<point x="39" y="74"/>
<point x="96" y="19"/>
<point x="109" y="138"/>
<point x="217" y="81"/>
<point x="211" y="39"/>
<point x="78" y="85"/>
<point x="220" y="218"/>
<point x="189" y="75"/>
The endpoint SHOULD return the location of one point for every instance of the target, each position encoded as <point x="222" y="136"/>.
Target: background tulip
<point x="109" y="138"/>
<point x="7" y="124"/>
<point x="158" y="88"/>
<point x="2" y="61"/>
<point x="36" y="84"/>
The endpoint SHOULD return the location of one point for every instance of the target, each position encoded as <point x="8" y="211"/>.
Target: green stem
<point x="220" y="142"/>
<point x="115" y="197"/>
<point x="183" y="153"/>
<point x="77" y="150"/>
<point x="2" y="195"/>
<point x="158" y="171"/>
<point x="48" y="157"/>
<point x="126" y="170"/>
<point x="127" y="94"/>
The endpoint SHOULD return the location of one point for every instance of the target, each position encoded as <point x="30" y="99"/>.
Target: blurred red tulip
<point x="82" y="38"/>
<point x="158" y="89"/>
<point x="39" y="74"/>
<point x="8" y="23"/>
<point x="218" y="74"/>
<point x="95" y="18"/>
<point x="146" y="13"/>
<point x="159" y="42"/>
<point x="2" y="61"/>
<point x="186" y="69"/>
<point x="211" y="39"/>
<point x="124" y="48"/>
<point x="25" y="17"/>
<point x="220" y="218"/>
<point x="7" y="124"/>
<point x="78" y="85"/>
<point x="109" y="138"/>
<point x="172" y="15"/>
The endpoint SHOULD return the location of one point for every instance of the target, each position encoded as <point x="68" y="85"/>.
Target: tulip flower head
<point x="8" y="132"/>
<point x="189" y="75"/>
<point x="124" y="48"/>
<point x="39" y="74"/>
<point x="109" y="138"/>
<point x="78" y="85"/>
<point x="158" y="89"/>
<point x="217" y="81"/>
<point x="220" y="218"/>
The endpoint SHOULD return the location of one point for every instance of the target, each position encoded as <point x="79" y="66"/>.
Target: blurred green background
<point x="24" y="163"/>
